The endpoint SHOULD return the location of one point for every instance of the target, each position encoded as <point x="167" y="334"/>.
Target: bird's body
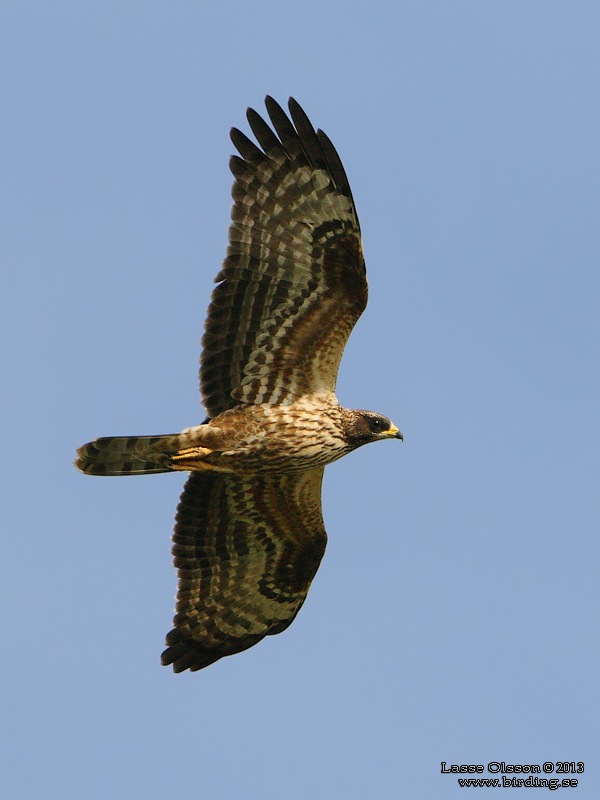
<point x="311" y="432"/>
<point x="249" y="534"/>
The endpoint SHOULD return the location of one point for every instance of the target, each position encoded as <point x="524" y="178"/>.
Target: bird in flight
<point x="249" y="533"/>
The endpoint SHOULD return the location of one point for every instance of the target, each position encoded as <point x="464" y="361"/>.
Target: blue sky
<point x="454" y="617"/>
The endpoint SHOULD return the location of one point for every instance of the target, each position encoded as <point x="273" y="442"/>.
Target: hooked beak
<point x="395" y="433"/>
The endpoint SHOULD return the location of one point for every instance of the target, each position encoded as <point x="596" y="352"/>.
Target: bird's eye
<point x="377" y="425"/>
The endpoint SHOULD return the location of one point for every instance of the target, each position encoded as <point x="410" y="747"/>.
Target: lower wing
<point x="246" y="548"/>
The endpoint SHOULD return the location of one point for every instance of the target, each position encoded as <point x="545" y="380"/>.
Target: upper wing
<point x="246" y="549"/>
<point x="294" y="281"/>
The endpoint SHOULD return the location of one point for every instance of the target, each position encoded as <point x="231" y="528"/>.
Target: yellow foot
<point x="191" y="458"/>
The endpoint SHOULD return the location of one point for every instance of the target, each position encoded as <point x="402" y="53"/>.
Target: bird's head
<point x="362" y="427"/>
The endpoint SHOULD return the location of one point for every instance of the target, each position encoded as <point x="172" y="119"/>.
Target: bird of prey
<point x="249" y="534"/>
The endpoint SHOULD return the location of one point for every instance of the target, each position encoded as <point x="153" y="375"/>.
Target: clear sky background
<point x="455" y="615"/>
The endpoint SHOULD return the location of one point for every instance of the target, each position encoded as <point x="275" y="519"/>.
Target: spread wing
<point x="246" y="549"/>
<point x="293" y="283"/>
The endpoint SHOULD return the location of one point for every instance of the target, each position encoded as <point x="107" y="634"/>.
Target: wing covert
<point x="293" y="283"/>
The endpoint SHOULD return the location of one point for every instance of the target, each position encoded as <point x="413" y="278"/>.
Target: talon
<point x="191" y="458"/>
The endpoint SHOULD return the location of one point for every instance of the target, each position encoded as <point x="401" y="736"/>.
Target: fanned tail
<point x="128" y="455"/>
